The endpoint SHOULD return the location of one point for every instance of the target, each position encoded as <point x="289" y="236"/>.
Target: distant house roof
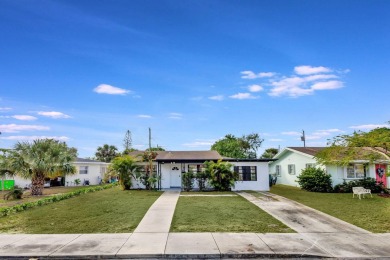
<point x="307" y="150"/>
<point x="359" y="153"/>
<point x="82" y="160"/>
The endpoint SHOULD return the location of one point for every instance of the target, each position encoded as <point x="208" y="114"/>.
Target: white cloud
<point x="199" y="143"/>
<point x="248" y="74"/>
<point x="111" y="90"/>
<point x="320" y="77"/>
<point x="31" y="138"/>
<point x="2" y="109"/>
<point x="266" y="74"/>
<point x="275" y="140"/>
<point x="243" y="96"/>
<point x="144" y="116"/>
<point x="255" y="88"/>
<point x="175" y="116"/>
<point x="24" y="117"/>
<point x="332" y="130"/>
<point x="292" y="86"/>
<point x="308" y="70"/>
<point x="333" y="84"/>
<point x="369" y="126"/>
<point x="296" y="86"/>
<point x="53" y="114"/>
<point x="218" y="97"/>
<point x="13" y="128"/>
<point x="293" y="133"/>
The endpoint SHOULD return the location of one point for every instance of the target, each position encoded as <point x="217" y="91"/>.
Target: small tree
<point x="106" y="153"/>
<point x="315" y="179"/>
<point x="222" y="177"/>
<point x="187" y="180"/>
<point x="269" y="153"/>
<point x="126" y="168"/>
<point x="201" y="178"/>
<point x="5" y="166"/>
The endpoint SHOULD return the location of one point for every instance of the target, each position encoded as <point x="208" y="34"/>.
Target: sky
<point x="85" y="71"/>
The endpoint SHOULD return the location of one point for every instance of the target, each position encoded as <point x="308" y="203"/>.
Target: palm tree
<point x="43" y="158"/>
<point x="106" y="153"/>
<point x="127" y="169"/>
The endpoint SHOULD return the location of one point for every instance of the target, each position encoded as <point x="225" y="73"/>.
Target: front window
<point x="246" y="173"/>
<point x="194" y="168"/>
<point x="355" y="171"/>
<point x="310" y="165"/>
<point x="291" y="169"/>
<point x="83" y="170"/>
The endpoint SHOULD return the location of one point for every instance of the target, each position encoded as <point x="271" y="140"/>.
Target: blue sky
<point x="87" y="71"/>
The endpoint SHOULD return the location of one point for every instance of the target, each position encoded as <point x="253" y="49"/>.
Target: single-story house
<point x="88" y="171"/>
<point x="169" y="166"/>
<point x="291" y="161"/>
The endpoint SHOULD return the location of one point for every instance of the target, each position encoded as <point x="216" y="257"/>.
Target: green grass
<point x="372" y="214"/>
<point x="223" y="214"/>
<point x="107" y="211"/>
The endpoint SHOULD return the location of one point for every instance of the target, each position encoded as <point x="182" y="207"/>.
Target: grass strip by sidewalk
<point x="372" y="214"/>
<point x="223" y="214"/>
<point x="107" y="211"/>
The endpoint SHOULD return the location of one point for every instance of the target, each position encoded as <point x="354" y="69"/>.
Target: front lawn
<point x="27" y="197"/>
<point x="222" y="214"/>
<point x="106" y="211"/>
<point x="372" y="214"/>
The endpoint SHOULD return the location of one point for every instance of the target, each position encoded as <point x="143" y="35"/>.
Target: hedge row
<point x="28" y="205"/>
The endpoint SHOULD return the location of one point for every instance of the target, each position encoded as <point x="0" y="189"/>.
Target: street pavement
<point x="331" y="239"/>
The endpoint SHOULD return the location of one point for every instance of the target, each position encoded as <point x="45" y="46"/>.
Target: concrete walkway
<point x="159" y="216"/>
<point x="300" y="217"/>
<point x="152" y="239"/>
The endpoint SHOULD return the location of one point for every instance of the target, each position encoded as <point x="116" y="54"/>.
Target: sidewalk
<point x="152" y="239"/>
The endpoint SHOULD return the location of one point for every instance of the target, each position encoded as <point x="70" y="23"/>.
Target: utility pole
<point x="303" y="138"/>
<point x="150" y="139"/>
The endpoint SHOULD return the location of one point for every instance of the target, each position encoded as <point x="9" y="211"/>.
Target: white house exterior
<point x="86" y="170"/>
<point x="292" y="160"/>
<point x="169" y="166"/>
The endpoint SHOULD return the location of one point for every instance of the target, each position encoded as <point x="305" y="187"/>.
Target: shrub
<point x="315" y="179"/>
<point x="16" y="193"/>
<point x="222" y="177"/>
<point x="201" y="178"/>
<point x="187" y="180"/>
<point x="367" y="183"/>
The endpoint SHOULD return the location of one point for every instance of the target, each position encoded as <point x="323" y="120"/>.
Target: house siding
<point x="289" y="157"/>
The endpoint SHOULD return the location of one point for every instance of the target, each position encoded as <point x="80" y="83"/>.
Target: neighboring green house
<point x="292" y="160"/>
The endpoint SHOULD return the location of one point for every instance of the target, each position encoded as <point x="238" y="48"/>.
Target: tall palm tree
<point x="41" y="159"/>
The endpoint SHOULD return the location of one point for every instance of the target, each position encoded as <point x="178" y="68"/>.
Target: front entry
<point x="175" y="177"/>
<point x="380" y="173"/>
